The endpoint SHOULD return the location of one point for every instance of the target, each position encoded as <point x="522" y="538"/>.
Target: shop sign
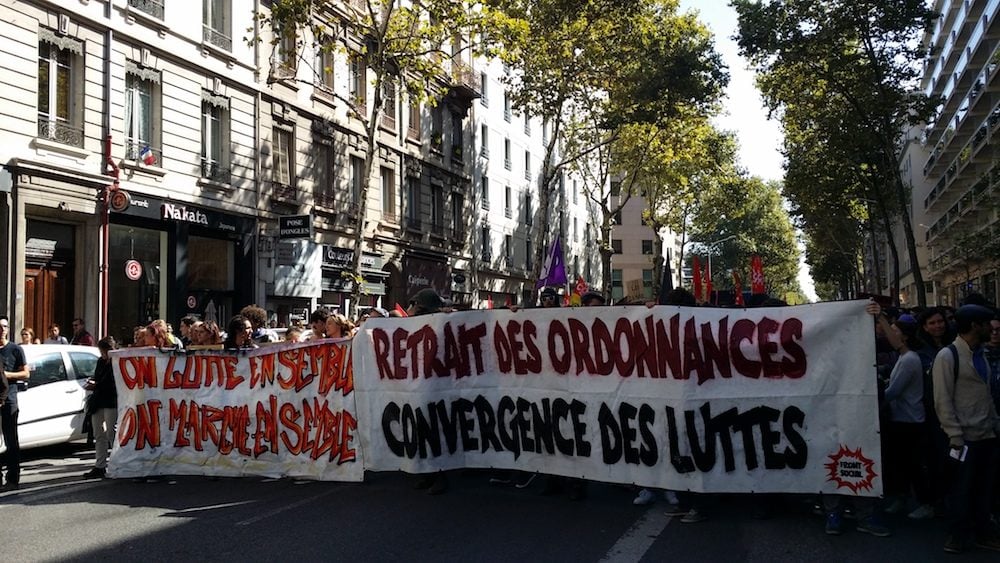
<point x="295" y="226"/>
<point x="181" y="213"/>
<point x="119" y="200"/>
<point x="337" y="257"/>
<point x="419" y="273"/>
<point x="298" y="272"/>
<point x="133" y="269"/>
<point x="40" y="248"/>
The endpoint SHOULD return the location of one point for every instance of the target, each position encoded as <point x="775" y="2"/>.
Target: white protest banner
<point x="281" y="410"/>
<point x="709" y="400"/>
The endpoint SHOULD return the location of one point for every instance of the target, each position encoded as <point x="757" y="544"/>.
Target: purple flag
<point x="554" y="269"/>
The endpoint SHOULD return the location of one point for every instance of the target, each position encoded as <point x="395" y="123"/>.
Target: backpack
<point x="929" y="413"/>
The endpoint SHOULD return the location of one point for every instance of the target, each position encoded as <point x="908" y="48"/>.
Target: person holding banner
<point x="102" y="407"/>
<point x="317" y="322"/>
<point x="339" y="326"/>
<point x="239" y="334"/>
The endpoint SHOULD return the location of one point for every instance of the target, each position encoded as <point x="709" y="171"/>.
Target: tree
<point x="416" y="46"/>
<point x="592" y="70"/>
<point x="863" y="54"/>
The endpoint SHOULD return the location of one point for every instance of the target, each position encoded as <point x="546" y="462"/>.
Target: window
<point x="215" y="138"/>
<point x="389" y="104"/>
<point x="282" y="154"/>
<point x="413" y="203"/>
<point x="484" y="194"/>
<point x="527" y="123"/>
<point x="285" y="59"/>
<point x="617" y="290"/>
<point x="324" y="68"/>
<point x="527" y="253"/>
<point x="506" y="154"/>
<point x="545" y="131"/>
<point x="456" y="136"/>
<point x="151" y="7"/>
<point x="437" y="209"/>
<point x="486" y="255"/>
<point x="215" y="23"/>
<point x="647" y="280"/>
<point x="142" y="110"/>
<point x="357" y="179"/>
<point x="527" y="165"/>
<point x="437" y="126"/>
<point x="506" y="106"/>
<point x="507" y="207"/>
<point x="49" y="368"/>
<point x="388" y="194"/>
<point x="647" y="247"/>
<point x="458" y="214"/>
<point x="413" y="131"/>
<point x="575" y="231"/>
<point x="508" y="250"/>
<point x="528" y="214"/>
<point x="484" y="140"/>
<point x="616" y="219"/>
<point x="83" y="364"/>
<point x="323" y="189"/>
<point x="616" y="245"/>
<point x="358" y="83"/>
<point x="60" y="115"/>
<point x="616" y="189"/>
<point x="484" y="98"/>
<point x="575" y="191"/>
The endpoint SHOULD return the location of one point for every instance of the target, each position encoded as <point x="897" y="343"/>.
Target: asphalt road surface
<point x="56" y="516"/>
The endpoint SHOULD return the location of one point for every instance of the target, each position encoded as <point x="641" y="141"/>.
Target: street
<point x="58" y="517"/>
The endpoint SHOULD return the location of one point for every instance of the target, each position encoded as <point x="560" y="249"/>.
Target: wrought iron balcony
<point x="134" y="151"/>
<point x="214" y="171"/>
<point x="60" y="132"/>
<point x="217" y="38"/>
<point x="151" y="7"/>
<point x="284" y="192"/>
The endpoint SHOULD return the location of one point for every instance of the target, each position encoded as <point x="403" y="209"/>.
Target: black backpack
<point x="929" y="412"/>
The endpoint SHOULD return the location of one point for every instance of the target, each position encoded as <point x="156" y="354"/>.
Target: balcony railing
<point x="151" y="7"/>
<point x="214" y="171"/>
<point x="216" y="37"/>
<point x="285" y="192"/>
<point x="413" y="224"/>
<point x="60" y="132"/>
<point x="437" y="229"/>
<point x="134" y="150"/>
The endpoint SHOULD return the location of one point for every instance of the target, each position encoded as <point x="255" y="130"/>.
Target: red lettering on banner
<point x="147" y="425"/>
<point x="426" y="353"/>
<point x="295" y="360"/>
<point x="138" y="371"/>
<point x="743" y="329"/>
<point x="765" y="329"/>
<point x="262" y="370"/>
<point x="791" y="331"/>
<point x="267" y="428"/>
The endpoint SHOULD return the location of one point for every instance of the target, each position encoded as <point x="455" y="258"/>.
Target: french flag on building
<point x="146" y="156"/>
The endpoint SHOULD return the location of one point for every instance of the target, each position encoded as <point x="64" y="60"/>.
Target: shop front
<point x="421" y="271"/>
<point x="338" y="283"/>
<point x="169" y="259"/>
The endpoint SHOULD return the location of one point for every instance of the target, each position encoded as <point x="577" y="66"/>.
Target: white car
<point x="51" y="404"/>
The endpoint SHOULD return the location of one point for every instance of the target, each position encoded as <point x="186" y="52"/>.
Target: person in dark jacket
<point x="102" y="407"/>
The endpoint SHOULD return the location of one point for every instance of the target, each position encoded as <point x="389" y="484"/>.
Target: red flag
<point x="756" y="275"/>
<point x="401" y="310"/>
<point x="489" y="301"/>
<point x="737" y="289"/>
<point x="696" y="270"/>
<point x="708" y="284"/>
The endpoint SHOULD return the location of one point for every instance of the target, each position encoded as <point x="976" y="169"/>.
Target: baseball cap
<point x="974" y="314"/>
<point x="429" y="300"/>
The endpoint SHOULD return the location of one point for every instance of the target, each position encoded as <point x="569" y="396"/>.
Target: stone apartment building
<point x="213" y="139"/>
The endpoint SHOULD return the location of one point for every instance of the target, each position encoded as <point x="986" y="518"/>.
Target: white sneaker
<point x="922" y="512"/>
<point x="671" y="497"/>
<point x="644" y="497"/>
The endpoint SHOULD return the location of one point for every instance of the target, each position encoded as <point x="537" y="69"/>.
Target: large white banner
<point x="700" y="399"/>
<point x="281" y="410"/>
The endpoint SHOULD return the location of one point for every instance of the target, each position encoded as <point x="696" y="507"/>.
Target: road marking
<point x="33" y="493"/>
<point x="637" y="540"/>
<point x="281" y="509"/>
<point x="212" y="507"/>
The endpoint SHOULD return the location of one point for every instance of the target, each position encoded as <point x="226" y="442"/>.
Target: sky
<point x="759" y="138"/>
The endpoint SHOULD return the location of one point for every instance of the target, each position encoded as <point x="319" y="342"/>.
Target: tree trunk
<point x="606" y="252"/>
<point x="893" y="250"/>
<point x="371" y="142"/>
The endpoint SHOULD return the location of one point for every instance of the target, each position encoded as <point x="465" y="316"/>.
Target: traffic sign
<point x="133" y="270"/>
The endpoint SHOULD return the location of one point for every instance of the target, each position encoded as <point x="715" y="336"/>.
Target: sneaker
<point x="670" y="497"/>
<point x="8" y="486"/>
<point x="644" y="497"/>
<point x="94" y="473"/>
<point x="989" y="541"/>
<point x="896" y="506"/>
<point x="872" y="526"/>
<point x="922" y="512"/>
<point x="694" y="516"/>
<point x="440" y="485"/>
<point x="953" y="545"/>
<point x="675" y="510"/>
<point x="834" y="524"/>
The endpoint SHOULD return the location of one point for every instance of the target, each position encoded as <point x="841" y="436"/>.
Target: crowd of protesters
<point x="938" y="371"/>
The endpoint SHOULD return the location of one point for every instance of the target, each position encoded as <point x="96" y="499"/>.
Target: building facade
<point x="204" y="144"/>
